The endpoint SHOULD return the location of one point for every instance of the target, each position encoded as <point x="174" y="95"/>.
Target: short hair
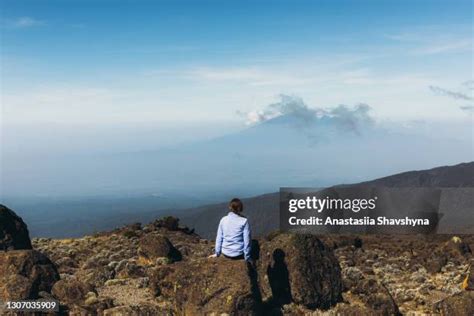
<point x="236" y="205"/>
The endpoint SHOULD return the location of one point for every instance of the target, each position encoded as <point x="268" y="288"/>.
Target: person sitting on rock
<point x="233" y="235"/>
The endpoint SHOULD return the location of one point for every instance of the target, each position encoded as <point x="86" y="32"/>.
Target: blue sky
<point x="81" y="80"/>
<point x="116" y="62"/>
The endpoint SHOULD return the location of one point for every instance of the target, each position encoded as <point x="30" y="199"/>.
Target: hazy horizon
<point x="169" y="97"/>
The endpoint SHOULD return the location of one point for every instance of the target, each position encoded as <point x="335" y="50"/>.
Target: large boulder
<point x="13" y="231"/>
<point x="301" y="269"/>
<point x="71" y="291"/>
<point x="206" y="286"/>
<point x="154" y="246"/>
<point x="168" y="222"/>
<point x="461" y="304"/>
<point x="25" y="273"/>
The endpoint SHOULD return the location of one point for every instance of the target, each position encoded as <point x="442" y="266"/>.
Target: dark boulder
<point x="168" y="222"/>
<point x="301" y="269"/>
<point x="71" y="291"/>
<point x="210" y="285"/>
<point x="154" y="246"/>
<point x="25" y="273"/>
<point x="13" y="231"/>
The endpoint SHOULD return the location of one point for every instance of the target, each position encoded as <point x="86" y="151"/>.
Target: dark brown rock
<point x="153" y="246"/>
<point x="70" y="291"/>
<point x="205" y="286"/>
<point x="25" y="273"/>
<point x="168" y="222"/>
<point x="461" y="304"/>
<point x="301" y="269"/>
<point x="13" y="231"/>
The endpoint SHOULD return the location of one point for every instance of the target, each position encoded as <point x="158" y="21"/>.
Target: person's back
<point x="233" y="235"/>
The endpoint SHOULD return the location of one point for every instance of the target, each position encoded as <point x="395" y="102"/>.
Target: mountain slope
<point x="263" y="213"/>
<point x="461" y="175"/>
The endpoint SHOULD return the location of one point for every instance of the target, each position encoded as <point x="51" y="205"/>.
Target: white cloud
<point x="252" y="76"/>
<point x="445" y="47"/>
<point x="452" y="94"/>
<point x="435" y="40"/>
<point x="24" y="22"/>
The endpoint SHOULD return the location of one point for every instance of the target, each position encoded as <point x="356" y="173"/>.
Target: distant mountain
<point x="299" y="148"/>
<point x="461" y="175"/>
<point x="263" y="210"/>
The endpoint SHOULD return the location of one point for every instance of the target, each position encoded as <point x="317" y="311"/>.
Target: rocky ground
<point x="419" y="272"/>
<point x="163" y="269"/>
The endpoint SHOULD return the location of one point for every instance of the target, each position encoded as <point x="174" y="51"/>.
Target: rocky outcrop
<point x="300" y="269"/>
<point x="154" y="246"/>
<point x="206" y="286"/>
<point x="168" y="222"/>
<point x="71" y="291"/>
<point x="295" y="274"/>
<point x="13" y="231"/>
<point x="24" y="274"/>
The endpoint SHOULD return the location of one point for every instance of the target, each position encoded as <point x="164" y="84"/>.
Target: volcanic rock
<point x="154" y="246"/>
<point x="209" y="285"/>
<point x="168" y="222"/>
<point x="13" y="231"/>
<point x="70" y="291"/>
<point x="300" y="269"/>
<point x="25" y="273"/>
